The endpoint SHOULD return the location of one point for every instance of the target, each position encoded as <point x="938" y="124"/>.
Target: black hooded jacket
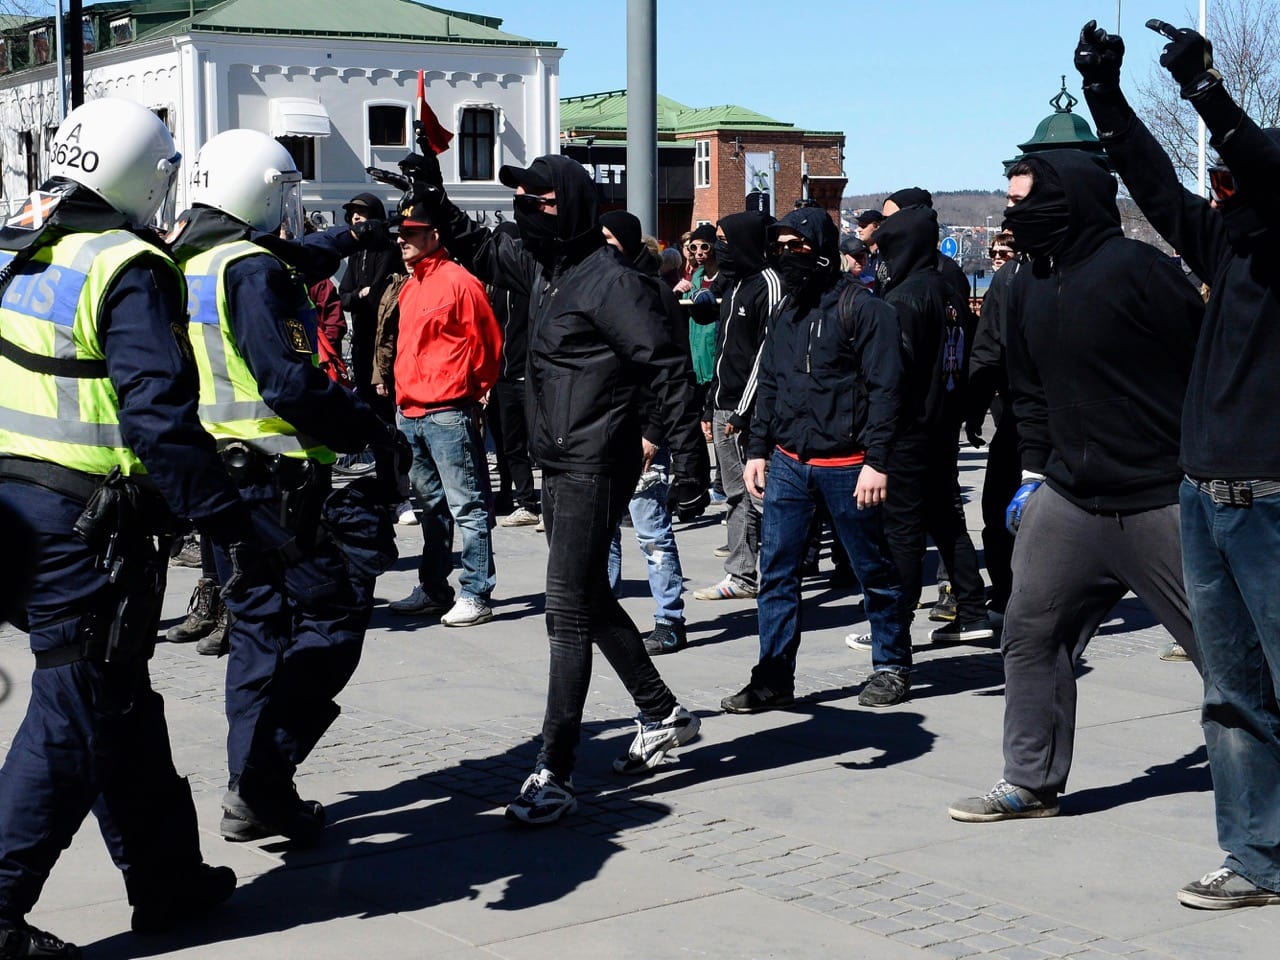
<point x="368" y="268"/>
<point x="829" y="378"/>
<point x="937" y="325"/>
<point x="1230" y="430"/>
<point x="1100" y="339"/>
<point x="597" y="330"/>
<point x="750" y="291"/>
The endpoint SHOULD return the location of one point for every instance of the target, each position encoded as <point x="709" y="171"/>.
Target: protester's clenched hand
<point x="1098" y="57"/>
<point x="872" y="488"/>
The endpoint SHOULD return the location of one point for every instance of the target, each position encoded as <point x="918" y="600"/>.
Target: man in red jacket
<point x="447" y="359"/>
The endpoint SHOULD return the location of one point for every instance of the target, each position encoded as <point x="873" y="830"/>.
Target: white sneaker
<point x="407" y="515"/>
<point x="858" y="641"/>
<point x="543" y="799"/>
<point x="467" y="612"/>
<point x="654" y="739"/>
<point x="541" y="527"/>
<point x="520" y="517"/>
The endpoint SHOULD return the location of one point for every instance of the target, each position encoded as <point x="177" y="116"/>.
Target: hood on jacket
<point x="1090" y="195"/>
<point x="626" y="228"/>
<point x="367" y="204"/>
<point x="577" y="227"/>
<point x="908" y="243"/>
<point x="910" y="197"/>
<point x="814" y="225"/>
<point x="746" y="234"/>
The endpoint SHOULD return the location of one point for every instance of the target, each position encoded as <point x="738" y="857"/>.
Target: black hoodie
<point x="937" y="325"/>
<point x="1100" y="341"/>
<point x="828" y="384"/>
<point x="1230" y="430"/>
<point x="372" y="268"/>
<point x="749" y="290"/>
<point x="597" y="330"/>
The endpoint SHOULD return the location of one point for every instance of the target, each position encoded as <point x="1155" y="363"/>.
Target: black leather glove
<point x="371" y="235"/>
<point x="1188" y="57"/>
<point x="423" y="168"/>
<point x="973" y="433"/>
<point x="1098" y="57"/>
<point x="691" y="499"/>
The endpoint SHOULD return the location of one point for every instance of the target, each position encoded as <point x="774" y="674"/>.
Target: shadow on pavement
<point x="1188" y="774"/>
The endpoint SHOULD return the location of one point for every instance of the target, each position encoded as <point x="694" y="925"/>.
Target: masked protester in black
<point x="597" y="332"/>
<point x="1230" y="442"/>
<point x="825" y="417"/>
<point x="924" y="496"/>
<point x="1100" y="333"/>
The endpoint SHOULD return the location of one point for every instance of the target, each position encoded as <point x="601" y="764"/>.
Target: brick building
<point x="709" y="159"/>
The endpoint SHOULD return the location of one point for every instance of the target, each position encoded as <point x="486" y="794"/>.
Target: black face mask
<point x="1039" y="225"/>
<point x="799" y="270"/>
<point x="538" y="232"/>
<point x="725" y="259"/>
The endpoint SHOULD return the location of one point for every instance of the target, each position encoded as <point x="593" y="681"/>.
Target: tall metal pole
<point x="58" y="48"/>
<point x="642" y="112"/>
<point x="77" y="52"/>
<point x="1200" y="161"/>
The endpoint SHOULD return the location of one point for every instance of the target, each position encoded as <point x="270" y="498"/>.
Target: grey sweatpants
<point x="1070" y="568"/>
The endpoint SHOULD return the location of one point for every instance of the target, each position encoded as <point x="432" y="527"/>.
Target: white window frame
<point x="701" y="164"/>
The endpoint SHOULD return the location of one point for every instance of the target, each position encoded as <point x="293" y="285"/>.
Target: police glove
<point x="372" y="235"/>
<point x="1189" y="59"/>
<point x="1098" y="58"/>
<point x="1013" y="515"/>
<point x="423" y="168"/>
<point x="691" y="499"/>
<point x="392" y="458"/>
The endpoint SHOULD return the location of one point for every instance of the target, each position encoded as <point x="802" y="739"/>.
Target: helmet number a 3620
<point x="71" y="155"/>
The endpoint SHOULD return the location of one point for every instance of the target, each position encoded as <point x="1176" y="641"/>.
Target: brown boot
<point x="202" y="614"/>
<point x="217" y="643"/>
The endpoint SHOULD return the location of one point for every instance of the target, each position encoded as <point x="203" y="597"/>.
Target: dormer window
<point x="41" y="47"/>
<point x="123" y="30"/>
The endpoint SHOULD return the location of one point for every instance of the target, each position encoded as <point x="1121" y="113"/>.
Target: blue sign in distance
<point x="949" y="247"/>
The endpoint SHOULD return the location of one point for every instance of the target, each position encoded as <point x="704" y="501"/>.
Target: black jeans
<point x="924" y="497"/>
<point x="505" y="414"/>
<point x="581" y="512"/>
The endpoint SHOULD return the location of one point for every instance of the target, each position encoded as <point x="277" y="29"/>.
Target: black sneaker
<point x="299" y="820"/>
<point x="756" y="699"/>
<point x="419" y="603"/>
<point x="1224" y="889"/>
<point x="957" y="632"/>
<point x="203" y="611"/>
<point x="666" y="638"/>
<point x="182" y="899"/>
<point x="20" y="941"/>
<point x="944" y="609"/>
<point x="884" y="689"/>
<point x="1005" y="801"/>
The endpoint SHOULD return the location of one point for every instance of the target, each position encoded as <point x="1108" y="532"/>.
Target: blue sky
<point x="932" y="93"/>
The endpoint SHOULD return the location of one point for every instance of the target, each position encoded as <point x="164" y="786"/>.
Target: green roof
<point x="607" y="112"/>
<point x="405" y="20"/>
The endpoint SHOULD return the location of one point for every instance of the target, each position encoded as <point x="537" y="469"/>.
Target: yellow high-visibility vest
<point x="231" y="407"/>
<point x="56" y="402"/>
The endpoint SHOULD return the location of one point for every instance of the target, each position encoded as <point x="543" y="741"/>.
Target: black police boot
<point x="217" y="642"/>
<point x="283" y="814"/>
<point x="21" y="941"/>
<point x="168" y="902"/>
<point x="202" y="614"/>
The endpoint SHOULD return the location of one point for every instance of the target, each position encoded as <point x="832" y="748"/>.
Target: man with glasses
<point x="447" y="358"/>
<point x="1230" y="450"/>
<point x="597" y="334"/>
<point x="824" y="421"/>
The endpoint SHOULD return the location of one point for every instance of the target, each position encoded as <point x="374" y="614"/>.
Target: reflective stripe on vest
<point x="231" y="406"/>
<point x="52" y="308"/>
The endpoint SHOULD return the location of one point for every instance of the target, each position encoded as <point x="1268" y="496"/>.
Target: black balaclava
<point x="1041" y="220"/>
<point x="572" y="234"/>
<point x="742" y="252"/>
<point x="626" y="227"/>
<point x="910" y="197"/>
<point x="805" y="274"/>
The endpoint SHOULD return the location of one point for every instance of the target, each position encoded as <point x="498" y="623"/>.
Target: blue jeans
<point x="790" y="494"/>
<point x="652" y="522"/>
<point x="450" y="478"/>
<point x="1233" y="587"/>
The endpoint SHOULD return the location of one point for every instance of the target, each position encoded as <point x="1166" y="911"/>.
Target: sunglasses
<point x="793" y="246"/>
<point x="1222" y="183"/>
<point x="1001" y="253"/>
<point x="699" y="246"/>
<point x="529" y="203"/>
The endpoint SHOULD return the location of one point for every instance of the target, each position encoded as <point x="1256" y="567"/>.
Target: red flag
<point x="430" y="132"/>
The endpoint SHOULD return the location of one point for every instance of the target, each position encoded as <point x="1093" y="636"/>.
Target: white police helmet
<point x="121" y="151"/>
<point x="253" y="178"/>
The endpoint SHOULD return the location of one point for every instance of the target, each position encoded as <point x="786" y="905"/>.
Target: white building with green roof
<point x="334" y="80"/>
